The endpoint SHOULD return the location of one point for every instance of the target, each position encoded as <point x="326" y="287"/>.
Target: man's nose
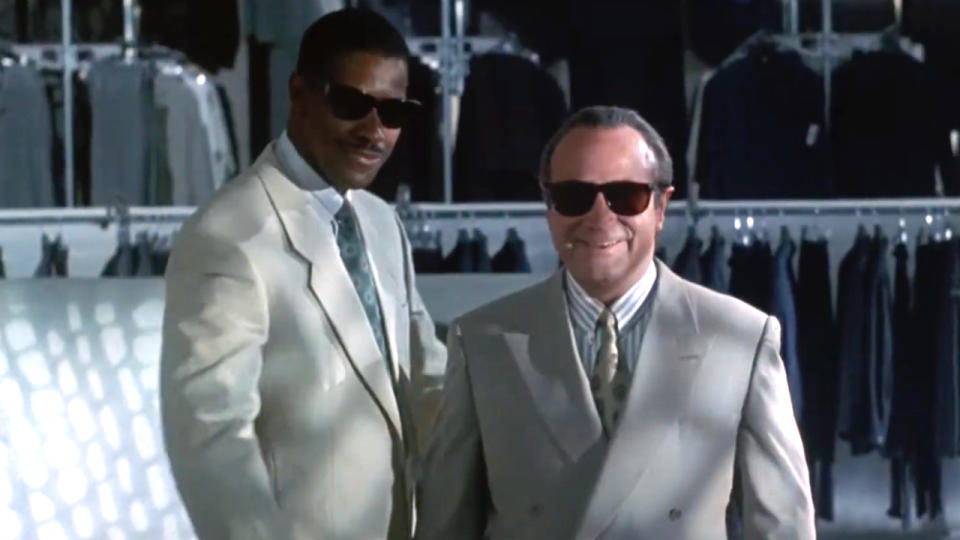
<point x="600" y="212"/>
<point x="372" y="128"/>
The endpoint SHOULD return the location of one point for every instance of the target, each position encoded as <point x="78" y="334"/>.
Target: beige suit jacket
<point x="519" y="450"/>
<point x="280" y="414"/>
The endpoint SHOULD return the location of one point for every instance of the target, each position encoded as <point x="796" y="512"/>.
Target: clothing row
<point x="882" y="372"/>
<point x="146" y="256"/>
<point x="152" y="130"/>
<point x="759" y="130"/>
<point x="470" y="254"/>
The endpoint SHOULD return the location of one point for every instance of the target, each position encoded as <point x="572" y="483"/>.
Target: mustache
<point x="368" y="146"/>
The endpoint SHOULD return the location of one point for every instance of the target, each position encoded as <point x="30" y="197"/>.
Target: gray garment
<point x="188" y="147"/>
<point x="281" y="23"/>
<point x="120" y="107"/>
<point x="629" y="339"/>
<point x="26" y="139"/>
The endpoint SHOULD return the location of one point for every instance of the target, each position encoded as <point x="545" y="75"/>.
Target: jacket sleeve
<point x="214" y="328"/>
<point x="428" y="356"/>
<point x="453" y="497"/>
<point x="776" y="485"/>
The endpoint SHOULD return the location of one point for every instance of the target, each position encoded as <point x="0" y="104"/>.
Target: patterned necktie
<point x="610" y="380"/>
<point x="358" y="266"/>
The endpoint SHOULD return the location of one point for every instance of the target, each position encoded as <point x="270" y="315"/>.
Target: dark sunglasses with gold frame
<point x="349" y="103"/>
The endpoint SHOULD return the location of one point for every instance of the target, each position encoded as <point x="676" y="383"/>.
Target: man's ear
<point x="665" y="195"/>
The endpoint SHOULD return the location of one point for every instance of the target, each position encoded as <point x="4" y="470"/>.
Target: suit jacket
<point x="519" y="451"/>
<point x="280" y="415"/>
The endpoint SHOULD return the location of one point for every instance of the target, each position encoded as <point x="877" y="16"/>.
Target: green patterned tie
<point x="610" y="380"/>
<point x="358" y="266"/>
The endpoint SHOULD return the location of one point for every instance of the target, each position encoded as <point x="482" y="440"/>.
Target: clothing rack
<point x="450" y="54"/>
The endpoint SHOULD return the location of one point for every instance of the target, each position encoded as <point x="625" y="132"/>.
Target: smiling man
<point x="298" y="361"/>
<point x="614" y="400"/>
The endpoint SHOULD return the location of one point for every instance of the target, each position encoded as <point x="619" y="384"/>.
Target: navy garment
<point x="761" y="133"/>
<point x="512" y="257"/>
<point x="901" y="434"/>
<point x="461" y="259"/>
<point x="481" y="256"/>
<point x="783" y="307"/>
<point x="946" y="350"/>
<point x="713" y="263"/>
<point x="928" y="295"/>
<point x="509" y="110"/>
<point x="889" y="132"/>
<point x="630" y="53"/>
<point x="751" y="273"/>
<point x="865" y="318"/>
<point x="417" y="159"/>
<point x="817" y="347"/>
<point x="687" y="263"/>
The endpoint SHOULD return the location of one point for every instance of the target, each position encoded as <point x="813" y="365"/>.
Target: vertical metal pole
<point x="795" y="16"/>
<point x="827" y="32"/>
<point x="66" y="9"/>
<point x="129" y="36"/>
<point x="447" y="67"/>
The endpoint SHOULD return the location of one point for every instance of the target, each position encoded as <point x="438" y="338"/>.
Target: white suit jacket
<point x="280" y="417"/>
<point x="519" y="451"/>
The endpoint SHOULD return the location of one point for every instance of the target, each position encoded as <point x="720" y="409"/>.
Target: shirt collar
<point x="585" y="310"/>
<point x="306" y="177"/>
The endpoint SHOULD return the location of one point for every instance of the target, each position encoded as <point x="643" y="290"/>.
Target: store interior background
<point x="80" y="453"/>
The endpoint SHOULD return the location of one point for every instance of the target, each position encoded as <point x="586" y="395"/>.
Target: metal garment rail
<point x="833" y="207"/>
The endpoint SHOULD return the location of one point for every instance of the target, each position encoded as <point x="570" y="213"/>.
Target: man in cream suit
<point x="613" y="400"/>
<point x="298" y="360"/>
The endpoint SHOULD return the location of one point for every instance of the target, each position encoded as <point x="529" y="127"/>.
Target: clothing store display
<point x="512" y="256"/>
<point x="864" y="306"/>
<point x="144" y="258"/>
<point x="783" y="307"/>
<point x="817" y="352"/>
<point x="713" y="262"/>
<point x="687" y="263"/>
<point x="510" y="108"/>
<point x="207" y="32"/>
<point x="761" y="133"/>
<point x="751" y="272"/>
<point x="53" y="259"/>
<point x="26" y="139"/>
<point x="461" y="259"/>
<point x="631" y="54"/>
<point x="889" y="134"/>
<point x="481" y="257"/>
<point x="417" y="158"/>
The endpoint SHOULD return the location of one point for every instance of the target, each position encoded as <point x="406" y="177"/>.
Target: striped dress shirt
<point x="584" y="313"/>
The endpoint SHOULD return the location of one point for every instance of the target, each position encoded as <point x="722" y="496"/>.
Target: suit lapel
<point x="550" y="365"/>
<point x="373" y="238"/>
<point x="330" y="283"/>
<point x="669" y="360"/>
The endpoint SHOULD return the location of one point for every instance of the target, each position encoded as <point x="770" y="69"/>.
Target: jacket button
<point x="675" y="514"/>
<point x="535" y="509"/>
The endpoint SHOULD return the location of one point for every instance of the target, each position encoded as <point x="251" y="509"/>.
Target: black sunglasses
<point x="574" y="198"/>
<point x="349" y="103"/>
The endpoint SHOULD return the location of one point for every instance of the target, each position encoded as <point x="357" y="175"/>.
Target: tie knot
<point x="607" y="321"/>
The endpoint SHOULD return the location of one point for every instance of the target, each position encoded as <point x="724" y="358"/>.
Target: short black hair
<point x="346" y="31"/>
